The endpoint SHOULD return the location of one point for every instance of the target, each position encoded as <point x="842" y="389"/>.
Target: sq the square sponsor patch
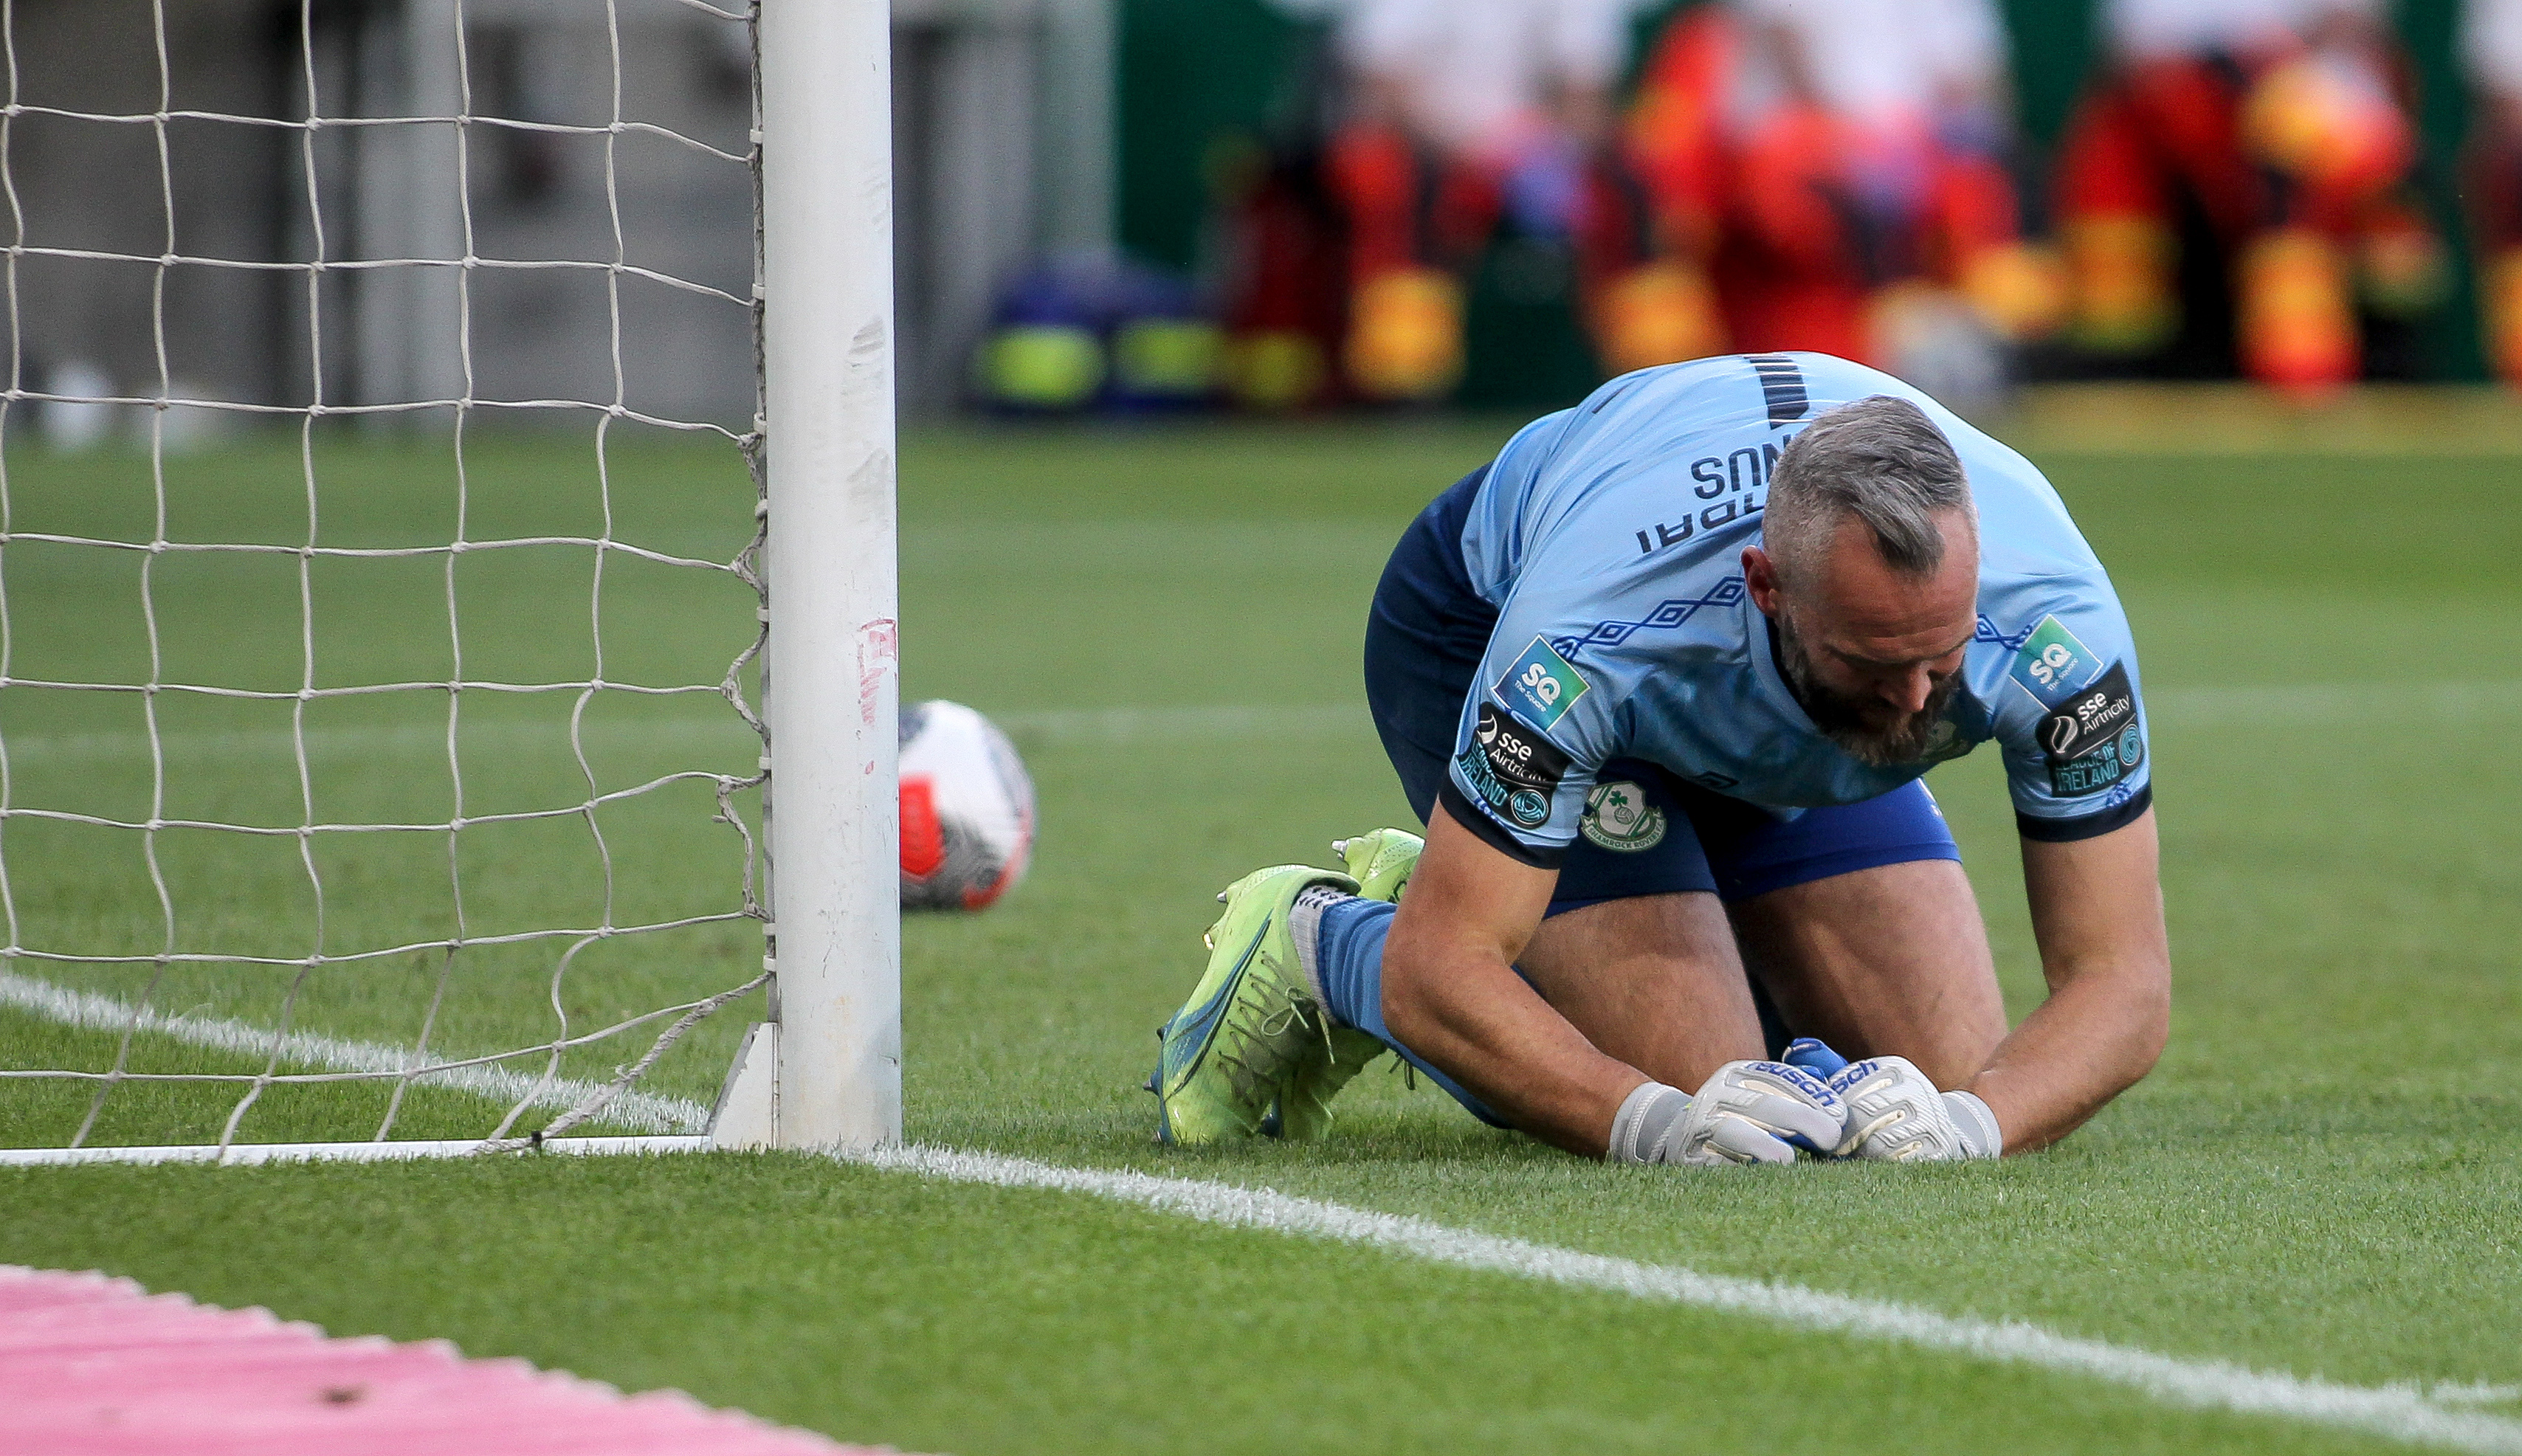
<point x="2053" y="664"/>
<point x="1511" y="768"/>
<point x="1542" y="684"/>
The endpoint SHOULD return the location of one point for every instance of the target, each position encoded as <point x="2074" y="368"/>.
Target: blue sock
<point x="1348" y="955"/>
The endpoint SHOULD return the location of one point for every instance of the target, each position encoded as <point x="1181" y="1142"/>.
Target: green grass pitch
<point x="2323" y="1177"/>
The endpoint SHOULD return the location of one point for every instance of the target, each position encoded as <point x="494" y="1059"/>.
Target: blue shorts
<point x="1424" y="637"/>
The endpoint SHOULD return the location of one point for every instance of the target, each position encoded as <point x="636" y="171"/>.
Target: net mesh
<point x="211" y="654"/>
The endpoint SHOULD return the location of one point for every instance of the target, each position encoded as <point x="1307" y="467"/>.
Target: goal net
<point x="387" y="519"/>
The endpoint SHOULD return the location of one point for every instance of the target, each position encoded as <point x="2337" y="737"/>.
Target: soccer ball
<point x="967" y="808"/>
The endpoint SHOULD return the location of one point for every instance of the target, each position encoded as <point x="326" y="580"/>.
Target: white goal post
<point x="823" y="1070"/>
<point x="833" y="655"/>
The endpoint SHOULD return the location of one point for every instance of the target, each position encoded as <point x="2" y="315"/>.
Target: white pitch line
<point x="255" y="1154"/>
<point x="2472" y="1392"/>
<point x="2405" y="1412"/>
<point x="2400" y="1413"/>
<point x="633" y="1110"/>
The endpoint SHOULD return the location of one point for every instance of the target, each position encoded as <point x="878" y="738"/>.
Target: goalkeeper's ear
<point x="1814" y="1056"/>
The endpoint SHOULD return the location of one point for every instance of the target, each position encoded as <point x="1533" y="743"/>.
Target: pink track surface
<point x="92" y="1366"/>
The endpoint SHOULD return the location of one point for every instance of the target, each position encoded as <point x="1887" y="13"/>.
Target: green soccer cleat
<point x="1304" y="1111"/>
<point x="1380" y="861"/>
<point x="1250" y="1025"/>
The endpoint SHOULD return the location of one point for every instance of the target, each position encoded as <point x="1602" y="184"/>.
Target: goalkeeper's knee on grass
<point x="1747" y="1112"/>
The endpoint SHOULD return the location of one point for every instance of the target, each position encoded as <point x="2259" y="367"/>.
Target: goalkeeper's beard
<point x="1841" y="718"/>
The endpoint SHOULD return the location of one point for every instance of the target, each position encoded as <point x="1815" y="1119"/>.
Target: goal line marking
<point x="2413" y="1415"/>
<point x="2434" y="1415"/>
<point x="633" y="1110"/>
<point x="2423" y="1416"/>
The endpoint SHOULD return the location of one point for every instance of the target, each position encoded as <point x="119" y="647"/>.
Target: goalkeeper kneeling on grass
<point x="1662" y="680"/>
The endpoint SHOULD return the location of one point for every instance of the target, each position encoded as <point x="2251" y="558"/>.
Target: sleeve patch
<point x="1543" y="684"/>
<point x="1511" y="768"/>
<point x="2091" y="739"/>
<point x="2053" y="664"/>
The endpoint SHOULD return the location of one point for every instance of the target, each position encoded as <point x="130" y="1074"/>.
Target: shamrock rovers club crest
<point x="1618" y="816"/>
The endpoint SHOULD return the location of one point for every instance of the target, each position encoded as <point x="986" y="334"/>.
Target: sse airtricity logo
<point x="1542" y="683"/>
<point x="1511" y="768"/>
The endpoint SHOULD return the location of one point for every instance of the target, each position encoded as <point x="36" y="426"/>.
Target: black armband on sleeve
<point x="2087" y="827"/>
<point x="1476" y="820"/>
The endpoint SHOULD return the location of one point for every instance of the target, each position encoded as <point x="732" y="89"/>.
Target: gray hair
<point x="1879" y="460"/>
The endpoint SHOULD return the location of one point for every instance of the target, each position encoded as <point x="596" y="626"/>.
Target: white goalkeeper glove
<point x="1747" y="1112"/>
<point x="1894" y="1112"/>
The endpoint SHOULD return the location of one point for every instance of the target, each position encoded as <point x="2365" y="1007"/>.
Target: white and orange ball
<point x="967" y="808"/>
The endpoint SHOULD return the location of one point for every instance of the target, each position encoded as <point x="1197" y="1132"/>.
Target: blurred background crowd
<point x="1270" y="204"/>
<point x="1369" y="201"/>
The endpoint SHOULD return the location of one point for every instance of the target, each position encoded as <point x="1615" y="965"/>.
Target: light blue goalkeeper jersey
<point x="1609" y="538"/>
